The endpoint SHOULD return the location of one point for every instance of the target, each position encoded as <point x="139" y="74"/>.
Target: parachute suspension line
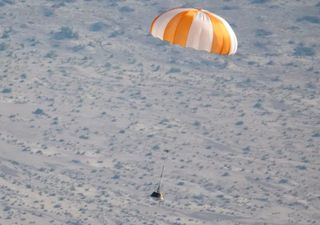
<point x="159" y="186"/>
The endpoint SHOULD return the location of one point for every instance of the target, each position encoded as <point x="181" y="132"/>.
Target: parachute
<point x="195" y="28"/>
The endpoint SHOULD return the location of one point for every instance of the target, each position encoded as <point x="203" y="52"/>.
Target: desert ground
<point x="92" y="106"/>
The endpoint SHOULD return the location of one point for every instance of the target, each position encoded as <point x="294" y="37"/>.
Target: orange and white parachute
<point x="195" y="28"/>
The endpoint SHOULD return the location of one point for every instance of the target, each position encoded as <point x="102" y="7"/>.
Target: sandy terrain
<point x="91" y="106"/>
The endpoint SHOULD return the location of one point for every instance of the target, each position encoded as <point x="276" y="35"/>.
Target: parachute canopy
<point x="195" y="28"/>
